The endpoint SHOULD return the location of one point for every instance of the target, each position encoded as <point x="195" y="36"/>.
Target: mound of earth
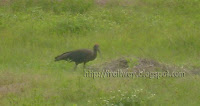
<point x="142" y="64"/>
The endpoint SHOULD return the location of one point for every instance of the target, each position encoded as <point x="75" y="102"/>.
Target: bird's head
<point x="96" y="48"/>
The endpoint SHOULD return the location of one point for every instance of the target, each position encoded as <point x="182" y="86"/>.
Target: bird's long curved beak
<point x="99" y="53"/>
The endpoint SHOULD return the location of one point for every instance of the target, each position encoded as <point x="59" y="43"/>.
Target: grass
<point x="33" y="32"/>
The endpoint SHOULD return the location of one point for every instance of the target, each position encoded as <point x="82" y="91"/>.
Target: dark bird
<point x="79" y="56"/>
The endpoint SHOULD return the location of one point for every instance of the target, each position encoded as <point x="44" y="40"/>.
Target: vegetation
<point x="33" y="32"/>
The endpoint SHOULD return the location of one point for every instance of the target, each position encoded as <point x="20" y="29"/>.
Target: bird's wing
<point x="79" y="55"/>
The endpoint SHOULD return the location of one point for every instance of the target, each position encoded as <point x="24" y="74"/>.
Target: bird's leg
<point x="75" y="66"/>
<point x="84" y="65"/>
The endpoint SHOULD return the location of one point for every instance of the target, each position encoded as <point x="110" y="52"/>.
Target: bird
<point x="80" y="56"/>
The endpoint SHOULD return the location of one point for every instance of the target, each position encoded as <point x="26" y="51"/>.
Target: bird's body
<point x="79" y="56"/>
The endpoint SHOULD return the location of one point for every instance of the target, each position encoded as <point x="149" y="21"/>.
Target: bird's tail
<point x="63" y="56"/>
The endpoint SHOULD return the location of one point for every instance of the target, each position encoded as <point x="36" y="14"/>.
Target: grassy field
<point x="33" y="32"/>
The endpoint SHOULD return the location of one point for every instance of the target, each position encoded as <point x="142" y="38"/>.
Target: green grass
<point x="33" y="32"/>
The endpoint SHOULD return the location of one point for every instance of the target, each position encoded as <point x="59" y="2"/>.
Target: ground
<point x="134" y="35"/>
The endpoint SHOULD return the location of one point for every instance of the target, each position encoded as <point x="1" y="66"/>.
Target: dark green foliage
<point x="57" y="6"/>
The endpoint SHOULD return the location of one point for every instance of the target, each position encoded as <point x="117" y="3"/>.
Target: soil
<point x="142" y="64"/>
